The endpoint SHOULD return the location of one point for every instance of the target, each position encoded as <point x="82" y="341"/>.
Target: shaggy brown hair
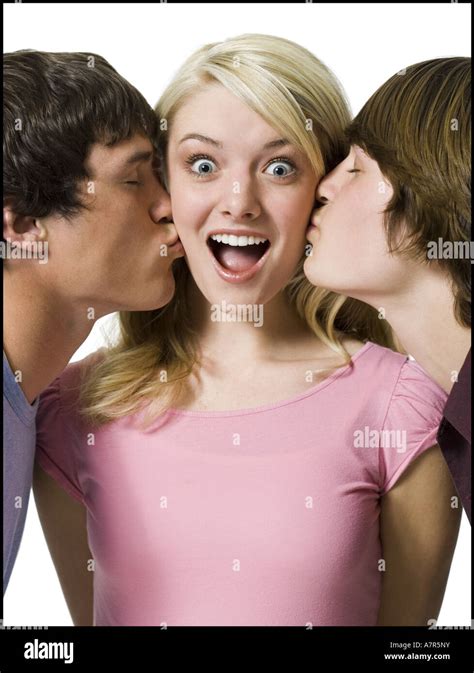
<point x="417" y="127"/>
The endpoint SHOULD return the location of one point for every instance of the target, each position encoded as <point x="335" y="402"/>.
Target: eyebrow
<point x="137" y="157"/>
<point x="280" y="142"/>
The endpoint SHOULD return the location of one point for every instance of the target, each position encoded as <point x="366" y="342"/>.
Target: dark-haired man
<point x="86" y="232"/>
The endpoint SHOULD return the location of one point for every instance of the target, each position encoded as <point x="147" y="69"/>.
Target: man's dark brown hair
<point x="56" y="106"/>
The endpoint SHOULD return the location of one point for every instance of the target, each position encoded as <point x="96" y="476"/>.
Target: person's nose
<point x="324" y="191"/>
<point x="240" y="201"/>
<point x="160" y="210"/>
<point x="330" y="184"/>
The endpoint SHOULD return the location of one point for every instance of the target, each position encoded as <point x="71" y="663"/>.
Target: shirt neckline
<point x="15" y="395"/>
<point x="275" y="405"/>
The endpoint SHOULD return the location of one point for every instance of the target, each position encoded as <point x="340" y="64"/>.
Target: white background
<point x="364" y="44"/>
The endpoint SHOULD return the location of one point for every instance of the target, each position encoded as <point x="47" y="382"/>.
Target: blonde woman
<point x="233" y="458"/>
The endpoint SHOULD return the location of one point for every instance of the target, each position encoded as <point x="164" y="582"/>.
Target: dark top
<point x="454" y="434"/>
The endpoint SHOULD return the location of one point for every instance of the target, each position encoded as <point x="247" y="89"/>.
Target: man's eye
<point x="133" y="182"/>
<point x="281" y="169"/>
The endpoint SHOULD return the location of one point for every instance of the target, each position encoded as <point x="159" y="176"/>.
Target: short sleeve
<point x="55" y="443"/>
<point x="411" y="423"/>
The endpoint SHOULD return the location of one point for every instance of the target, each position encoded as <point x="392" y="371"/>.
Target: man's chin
<point x="158" y="300"/>
<point x="311" y="272"/>
<point x="165" y="295"/>
<point x="316" y="275"/>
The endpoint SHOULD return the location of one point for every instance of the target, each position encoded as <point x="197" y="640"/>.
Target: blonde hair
<point x="300" y="97"/>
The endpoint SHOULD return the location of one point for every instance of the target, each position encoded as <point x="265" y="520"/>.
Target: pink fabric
<point x="264" y="516"/>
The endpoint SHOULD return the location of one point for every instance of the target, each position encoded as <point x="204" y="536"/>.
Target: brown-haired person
<point x="393" y="229"/>
<point x="86" y="232"/>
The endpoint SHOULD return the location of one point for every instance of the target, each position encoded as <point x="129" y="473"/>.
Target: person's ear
<point x="21" y="228"/>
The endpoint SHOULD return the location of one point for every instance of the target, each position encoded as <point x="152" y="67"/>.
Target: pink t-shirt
<point x="263" y="517"/>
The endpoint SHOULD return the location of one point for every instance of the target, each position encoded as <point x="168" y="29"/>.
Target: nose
<point x="160" y="210"/>
<point x="239" y="201"/>
<point x="322" y="192"/>
<point x="331" y="183"/>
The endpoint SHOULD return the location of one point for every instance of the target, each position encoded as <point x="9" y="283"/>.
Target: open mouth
<point x="238" y="254"/>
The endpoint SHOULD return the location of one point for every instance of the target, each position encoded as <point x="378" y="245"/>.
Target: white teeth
<point x="230" y="239"/>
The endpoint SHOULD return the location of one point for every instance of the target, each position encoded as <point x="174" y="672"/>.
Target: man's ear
<point x="21" y="228"/>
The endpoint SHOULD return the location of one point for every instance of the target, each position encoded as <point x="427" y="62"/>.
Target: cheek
<point x="190" y="208"/>
<point x="293" y="215"/>
<point x="291" y="211"/>
<point x="188" y="200"/>
<point x="352" y="222"/>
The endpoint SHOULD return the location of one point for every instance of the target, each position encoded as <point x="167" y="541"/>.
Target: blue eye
<point x="201" y="165"/>
<point x="281" y="166"/>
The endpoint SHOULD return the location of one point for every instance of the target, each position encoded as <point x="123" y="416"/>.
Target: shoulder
<point x="373" y="353"/>
<point x="378" y="366"/>
<point x="64" y="390"/>
<point x="76" y="371"/>
<point x="417" y="402"/>
<point x="414" y="383"/>
<point x="398" y="374"/>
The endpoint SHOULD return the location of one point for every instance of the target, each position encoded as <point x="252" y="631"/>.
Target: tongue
<point x="238" y="258"/>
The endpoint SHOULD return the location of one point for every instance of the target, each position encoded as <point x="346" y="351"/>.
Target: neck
<point x="239" y="341"/>
<point x="42" y="330"/>
<point x="422" y="316"/>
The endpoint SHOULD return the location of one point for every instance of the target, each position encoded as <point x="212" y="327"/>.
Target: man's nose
<point x="161" y="212"/>
<point x="322" y="193"/>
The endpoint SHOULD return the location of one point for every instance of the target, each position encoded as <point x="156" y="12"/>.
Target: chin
<point x="318" y="279"/>
<point x="168" y="291"/>
<point x="311" y="273"/>
<point x="236" y="295"/>
<point x="163" y="295"/>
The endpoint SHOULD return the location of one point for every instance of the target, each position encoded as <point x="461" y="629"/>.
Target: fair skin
<point x="226" y="178"/>
<point x="245" y="366"/>
<point x="126" y="234"/>
<point x="350" y="256"/>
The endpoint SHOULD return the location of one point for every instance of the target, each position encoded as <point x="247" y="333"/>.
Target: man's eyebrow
<point x="137" y="157"/>
<point x="280" y="142"/>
